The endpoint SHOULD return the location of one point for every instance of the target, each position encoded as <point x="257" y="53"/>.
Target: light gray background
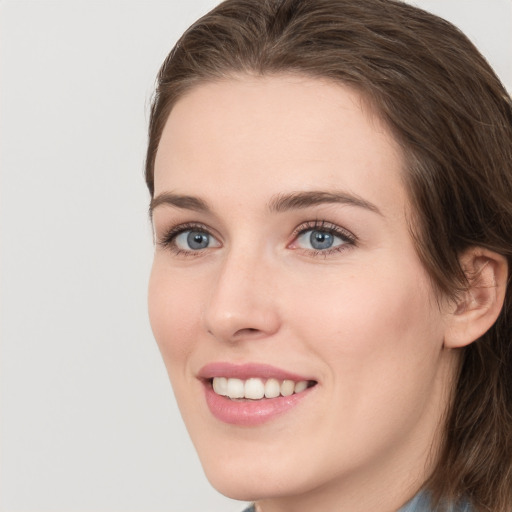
<point x="88" y="421"/>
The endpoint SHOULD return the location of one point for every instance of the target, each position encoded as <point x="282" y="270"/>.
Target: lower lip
<point x="250" y="412"/>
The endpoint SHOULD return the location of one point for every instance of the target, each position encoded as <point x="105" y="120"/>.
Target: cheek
<point x="173" y="313"/>
<point x="371" y="326"/>
<point x="380" y="337"/>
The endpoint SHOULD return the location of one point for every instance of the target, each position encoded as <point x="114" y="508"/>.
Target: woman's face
<point x="284" y="264"/>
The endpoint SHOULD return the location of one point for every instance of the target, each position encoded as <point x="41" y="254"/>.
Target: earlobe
<point x="479" y="306"/>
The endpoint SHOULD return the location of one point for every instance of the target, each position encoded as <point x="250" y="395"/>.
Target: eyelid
<point x="167" y="239"/>
<point x="321" y="225"/>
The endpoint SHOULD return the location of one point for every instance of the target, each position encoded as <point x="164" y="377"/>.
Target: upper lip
<point x="246" y="371"/>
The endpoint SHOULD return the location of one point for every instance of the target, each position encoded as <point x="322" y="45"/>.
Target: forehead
<point x="266" y="135"/>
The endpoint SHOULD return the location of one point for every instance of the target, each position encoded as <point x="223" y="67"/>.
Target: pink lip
<point x="246" y="371"/>
<point x="248" y="412"/>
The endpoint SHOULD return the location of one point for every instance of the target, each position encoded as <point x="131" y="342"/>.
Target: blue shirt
<point x="420" y="503"/>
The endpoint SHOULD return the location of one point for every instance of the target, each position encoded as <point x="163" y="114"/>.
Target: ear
<point x="480" y="305"/>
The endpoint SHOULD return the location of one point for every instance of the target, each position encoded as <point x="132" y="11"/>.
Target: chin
<point x="271" y="472"/>
<point x="242" y="489"/>
<point x="241" y="474"/>
<point x="244" y="485"/>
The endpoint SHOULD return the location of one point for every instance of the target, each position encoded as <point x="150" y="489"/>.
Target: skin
<point x="362" y="321"/>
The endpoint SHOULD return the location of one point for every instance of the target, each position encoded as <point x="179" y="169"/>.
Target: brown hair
<point x="453" y="119"/>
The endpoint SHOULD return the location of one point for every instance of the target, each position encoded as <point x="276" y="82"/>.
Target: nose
<point x="243" y="304"/>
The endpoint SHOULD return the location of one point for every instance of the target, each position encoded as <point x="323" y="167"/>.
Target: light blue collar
<point x="422" y="503"/>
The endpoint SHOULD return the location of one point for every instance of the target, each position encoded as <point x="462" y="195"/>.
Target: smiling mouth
<point x="258" y="389"/>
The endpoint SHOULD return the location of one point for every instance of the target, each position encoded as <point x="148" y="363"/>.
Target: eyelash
<point x="168" y="240"/>
<point x="349" y="239"/>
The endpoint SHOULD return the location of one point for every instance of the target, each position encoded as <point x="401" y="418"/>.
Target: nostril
<point x="247" y="331"/>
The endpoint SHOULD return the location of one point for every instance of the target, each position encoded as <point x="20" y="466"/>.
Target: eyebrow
<point x="178" y="201"/>
<point x="299" y="200"/>
<point x="279" y="203"/>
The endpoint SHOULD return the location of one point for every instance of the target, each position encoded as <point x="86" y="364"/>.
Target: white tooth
<point x="301" y="386"/>
<point x="272" y="388"/>
<point x="254" y="389"/>
<point x="235" y="388"/>
<point x="287" y="387"/>
<point x="220" y="385"/>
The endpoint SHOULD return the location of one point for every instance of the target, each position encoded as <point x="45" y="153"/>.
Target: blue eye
<point x="320" y="240"/>
<point x="188" y="239"/>
<point x="194" y="240"/>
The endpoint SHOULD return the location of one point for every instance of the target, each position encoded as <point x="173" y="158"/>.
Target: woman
<point x="331" y="186"/>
